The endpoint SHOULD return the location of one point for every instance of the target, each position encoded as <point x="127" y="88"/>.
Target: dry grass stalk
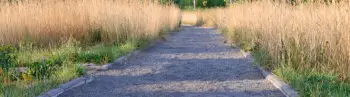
<point x="312" y="37"/>
<point x="53" y="22"/>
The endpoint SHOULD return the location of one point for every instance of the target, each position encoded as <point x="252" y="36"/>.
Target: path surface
<point x="192" y="63"/>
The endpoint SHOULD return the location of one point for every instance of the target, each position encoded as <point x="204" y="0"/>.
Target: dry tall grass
<point x="189" y="18"/>
<point x="311" y="37"/>
<point x="57" y="26"/>
<point x="53" y="22"/>
<point x="198" y="18"/>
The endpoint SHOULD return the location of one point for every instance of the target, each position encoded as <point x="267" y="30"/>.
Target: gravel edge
<point x="95" y="68"/>
<point x="88" y="78"/>
<point x="66" y="86"/>
<point x="274" y="79"/>
<point x="84" y="80"/>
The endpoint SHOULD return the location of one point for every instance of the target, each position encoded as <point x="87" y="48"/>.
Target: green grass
<point x="102" y="54"/>
<point x="35" y="87"/>
<point x="314" y="84"/>
<point x="307" y="82"/>
<point x="49" y="67"/>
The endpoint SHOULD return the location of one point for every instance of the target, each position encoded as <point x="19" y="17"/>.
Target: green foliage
<point x="216" y="3"/>
<point x="200" y="4"/>
<point x="261" y="56"/>
<point x="7" y="57"/>
<point x="7" y="62"/>
<point x="308" y="83"/>
<point x="102" y="54"/>
<point x="44" y="68"/>
<point x="93" y="57"/>
<point x="313" y="84"/>
<point x="50" y="68"/>
<point x="22" y="89"/>
<point x="80" y="70"/>
<point x="185" y="4"/>
<point x="142" y="42"/>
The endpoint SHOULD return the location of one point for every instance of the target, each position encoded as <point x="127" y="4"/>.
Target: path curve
<point x="192" y="63"/>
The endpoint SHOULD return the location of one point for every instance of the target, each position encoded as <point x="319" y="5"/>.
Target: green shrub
<point x="44" y="68"/>
<point x="80" y="70"/>
<point x="185" y="3"/>
<point x="311" y="84"/>
<point x="7" y="57"/>
<point x="7" y="60"/>
<point x="188" y="4"/>
<point x="91" y="57"/>
<point x="99" y="54"/>
<point x="216" y="3"/>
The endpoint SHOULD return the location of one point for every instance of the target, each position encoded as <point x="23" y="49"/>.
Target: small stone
<point x="22" y="69"/>
<point x="44" y="95"/>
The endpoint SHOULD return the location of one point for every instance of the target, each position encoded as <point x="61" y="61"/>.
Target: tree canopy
<point x="188" y="4"/>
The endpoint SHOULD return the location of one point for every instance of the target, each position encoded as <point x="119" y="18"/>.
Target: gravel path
<point x="192" y="63"/>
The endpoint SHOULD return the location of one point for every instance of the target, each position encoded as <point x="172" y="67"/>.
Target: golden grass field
<point x="307" y="44"/>
<point x="310" y="36"/>
<point x="311" y="40"/>
<point x="53" y="22"/>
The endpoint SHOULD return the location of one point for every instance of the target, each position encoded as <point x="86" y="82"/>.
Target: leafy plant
<point x="7" y="57"/>
<point x="80" y="70"/>
<point x="46" y="67"/>
<point x="7" y="60"/>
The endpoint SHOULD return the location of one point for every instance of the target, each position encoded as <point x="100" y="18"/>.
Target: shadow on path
<point x="192" y="63"/>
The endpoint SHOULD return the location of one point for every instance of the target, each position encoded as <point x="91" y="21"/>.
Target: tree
<point x="216" y="3"/>
<point x="194" y="4"/>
